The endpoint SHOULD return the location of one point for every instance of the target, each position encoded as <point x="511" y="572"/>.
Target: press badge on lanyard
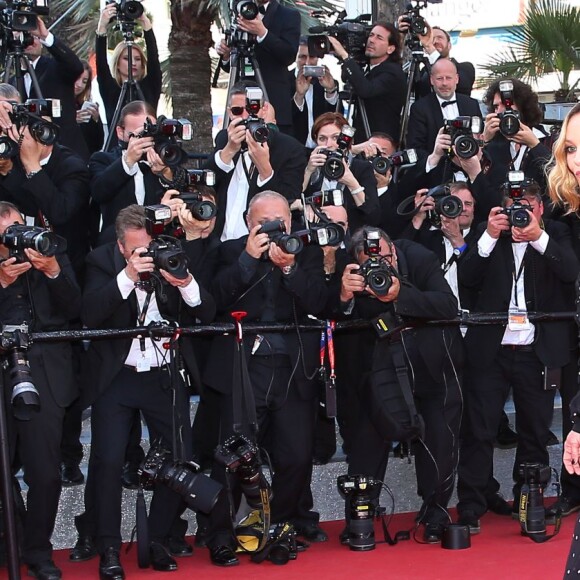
<point x="518" y="319"/>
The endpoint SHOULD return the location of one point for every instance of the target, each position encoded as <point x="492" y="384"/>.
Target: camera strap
<point x="538" y="538"/>
<point x="326" y="379"/>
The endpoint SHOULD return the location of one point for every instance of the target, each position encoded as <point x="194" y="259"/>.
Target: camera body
<point x="167" y="136"/>
<point x="375" y="270"/>
<point x="361" y="495"/>
<point x="532" y="515"/>
<point x="22" y="15"/>
<point x="14" y="344"/>
<point x="247" y="9"/>
<point x="446" y="204"/>
<point x="197" y="490"/>
<point x="201" y="209"/>
<point x="509" y="120"/>
<point x="127" y="10"/>
<point x="30" y="114"/>
<point x="167" y="255"/>
<point x="352" y="33"/>
<point x="461" y="130"/>
<point x="417" y="24"/>
<point x="276" y="230"/>
<point x="515" y="188"/>
<point x="333" y="168"/>
<point x="199" y="177"/>
<point x="383" y="165"/>
<point x="255" y="124"/>
<point x="19" y="237"/>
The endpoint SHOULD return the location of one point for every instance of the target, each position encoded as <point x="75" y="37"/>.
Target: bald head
<point x="444" y="78"/>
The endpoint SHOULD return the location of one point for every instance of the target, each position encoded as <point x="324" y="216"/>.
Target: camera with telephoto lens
<point x="14" y="344"/>
<point x="417" y="24"/>
<point x="31" y="114"/>
<point x="167" y="136"/>
<point x="375" y="270"/>
<point x="22" y="15"/>
<point x="515" y="189"/>
<point x="461" y="130"/>
<point x="127" y="10"/>
<point x="352" y="33"/>
<point x="257" y="127"/>
<point x="201" y="209"/>
<point x="276" y="230"/>
<point x="19" y="237"/>
<point x="446" y="204"/>
<point x="247" y="9"/>
<point x="361" y="494"/>
<point x="532" y="515"/>
<point x="382" y="164"/>
<point x="241" y="456"/>
<point x="333" y="168"/>
<point x="509" y="120"/>
<point x="197" y="490"/>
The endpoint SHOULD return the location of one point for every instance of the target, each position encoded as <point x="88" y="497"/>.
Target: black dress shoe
<point x="223" y="556"/>
<point x="178" y="547"/>
<point x="566" y="505"/>
<point x="469" y="519"/>
<point x="110" y="565"/>
<point x="498" y="505"/>
<point x="45" y="571"/>
<point x="433" y="533"/>
<point x="343" y="537"/>
<point x="70" y="474"/>
<point x="83" y="550"/>
<point x="130" y="477"/>
<point x="160" y="558"/>
<point x="312" y="532"/>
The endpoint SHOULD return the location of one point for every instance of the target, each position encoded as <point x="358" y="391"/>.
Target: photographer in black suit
<point x="526" y="270"/>
<point x="277" y="287"/>
<point x="129" y="374"/>
<point x="418" y="290"/>
<point x="42" y="292"/>
<point x="277" y="32"/>
<point x="381" y="88"/>
<point x="244" y="167"/>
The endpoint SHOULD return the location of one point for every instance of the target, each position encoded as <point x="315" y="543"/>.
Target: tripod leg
<point x="116" y="116"/>
<point x="407" y="105"/>
<point x="234" y="71"/>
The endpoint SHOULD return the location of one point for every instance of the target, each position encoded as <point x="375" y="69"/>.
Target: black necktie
<point x="445" y="103"/>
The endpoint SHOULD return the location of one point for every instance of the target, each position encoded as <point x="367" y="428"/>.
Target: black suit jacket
<point x="466" y="72"/>
<point x="426" y="118"/>
<point x="288" y="160"/>
<point x="545" y="283"/>
<point x="56" y="77"/>
<point x="104" y="307"/>
<point x="113" y="189"/>
<point x="55" y="302"/>
<point x="302" y="293"/>
<point x="382" y="90"/>
<point x="61" y="192"/>
<point x="319" y="106"/>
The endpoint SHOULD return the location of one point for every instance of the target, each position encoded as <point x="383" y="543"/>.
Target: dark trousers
<point x="36" y="444"/>
<point x="112" y="416"/>
<point x="439" y="403"/>
<point x="288" y="421"/>
<point x="485" y="393"/>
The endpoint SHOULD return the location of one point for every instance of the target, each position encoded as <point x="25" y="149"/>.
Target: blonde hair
<point x="118" y="53"/>
<point x="562" y="184"/>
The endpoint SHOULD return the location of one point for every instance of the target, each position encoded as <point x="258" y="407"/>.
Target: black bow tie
<point x="445" y="103"/>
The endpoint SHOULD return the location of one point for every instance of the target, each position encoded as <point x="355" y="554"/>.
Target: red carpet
<point x="499" y="552"/>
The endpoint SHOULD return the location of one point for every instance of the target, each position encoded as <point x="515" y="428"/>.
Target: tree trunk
<point x="190" y="70"/>
<point x="390" y="10"/>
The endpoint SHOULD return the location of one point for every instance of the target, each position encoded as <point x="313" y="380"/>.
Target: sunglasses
<point x="237" y="110"/>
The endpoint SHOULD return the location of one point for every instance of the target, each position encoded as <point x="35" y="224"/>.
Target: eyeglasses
<point x="237" y="111"/>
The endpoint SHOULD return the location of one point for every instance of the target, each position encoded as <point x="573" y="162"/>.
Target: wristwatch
<point x="287" y="270"/>
<point x="458" y="251"/>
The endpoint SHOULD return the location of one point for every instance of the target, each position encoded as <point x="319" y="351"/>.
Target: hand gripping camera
<point x="201" y="209"/>
<point x="19" y="237"/>
<point x="31" y="114"/>
<point x="167" y="135"/>
<point x="276" y="230"/>
<point x="515" y="189"/>
<point x="361" y="494"/>
<point x="375" y="270"/>
<point x="333" y="168"/>
<point x="461" y="130"/>
<point x="446" y="204"/>
<point x="509" y="120"/>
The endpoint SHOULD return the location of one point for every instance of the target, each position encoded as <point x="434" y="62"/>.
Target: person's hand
<point x="177" y="282"/>
<point x="302" y="85"/>
<point x="5" y="120"/>
<point x="571" y="457"/>
<point x="367" y="148"/>
<point x="471" y="167"/>
<point x="352" y="282"/>
<point x="171" y="200"/>
<point x="257" y="243"/>
<point x="451" y="230"/>
<point x="48" y="265"/>
<point x="424" y="204"/>
<point x="83" y="116"/>
<point x="6" y="166"/>
<point x="93" y="109"/>
<point x="236" y="136"/>
<point x="194" y="229"/>
<point x="525" y="136"/>
<point x="223" y="50"/>
<point x="490" y="127"/>
<point x="497" y="222"/>
<point x="10" y="270"/>
<point x="530" y="233"/>
<point x="402" y="25"/>
<point x="267" y="113"/>
<point x="327" y="81"/>
<point x="442" y="145"/>
<point x="260" y="156"/>
<point x="41" y="32"/>
<point x="255" y="26"/>
<point x="348" y="178"/>
<point x="337" y="48"/>
<point x="279" y="257"/>
<point x="145" y="22"/>
<point x="391" y="295"/>
<point x="137" y="148"/>
<point x="316" y="159"/>
<point x="157" y="165"/>
<point x="107" y="14"/>
<point x="31" y="151"/>
<point x="137" y="264"/>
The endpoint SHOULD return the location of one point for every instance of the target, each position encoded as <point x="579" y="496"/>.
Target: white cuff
<point x="190" y="293"/>
<point x="129" y="170"/>
<point x="225" y="167"/>
<point x="541" y="243"/>
<point x="486" y="244"/>
<point x="262" y="183"/>
<point x="48" y="41"/>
